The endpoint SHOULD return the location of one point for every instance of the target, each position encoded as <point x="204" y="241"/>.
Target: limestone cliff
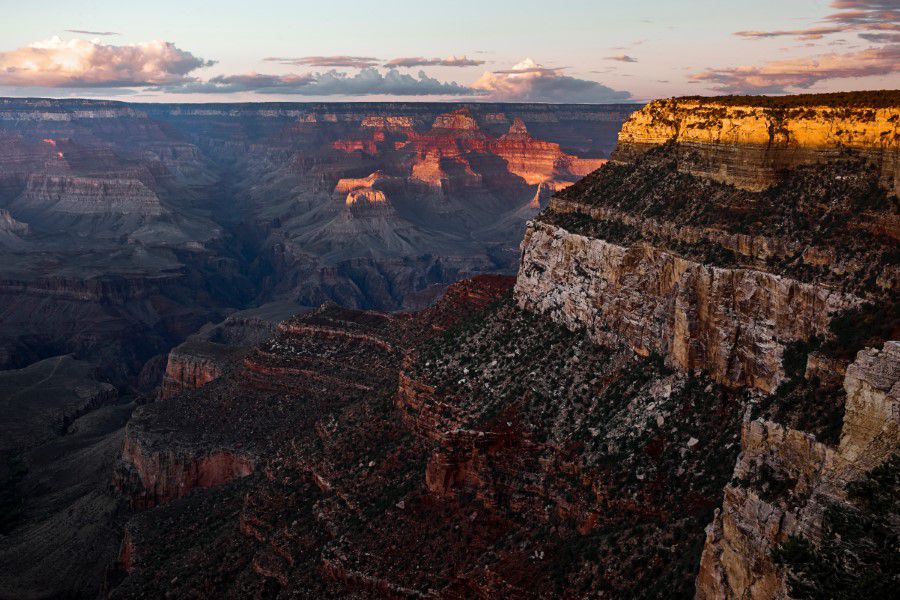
<point x="748" y="142"/>
<point x="712" y="277"/>
<point x="755" y="241"/>
<point x="79" y="195"/>
<point x="785" y="481"/>
<point x="733" y="323"/>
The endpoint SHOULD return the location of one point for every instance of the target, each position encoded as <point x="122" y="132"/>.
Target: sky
<point x="593" y="51"/>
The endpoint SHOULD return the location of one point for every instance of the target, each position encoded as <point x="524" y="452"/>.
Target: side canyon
<point x="487" y="354"/>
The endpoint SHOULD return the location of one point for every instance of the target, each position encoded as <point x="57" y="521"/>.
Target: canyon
<point x="145" y="250"/>
<point x="124" y="228"/>
<point x="688" y="388"/>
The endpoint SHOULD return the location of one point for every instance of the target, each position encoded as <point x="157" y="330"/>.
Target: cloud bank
<point x="418" y="61"/>
<point x="776" y="76"/>
<point x="368" y="81"/>
<point x="531" y="82"/>
<point x="83" y="64"/>
<point x="162" y="67"/>
<point x="859" y="16"/>
<point x="875" y="21"/>
<point x="354" y="62"/>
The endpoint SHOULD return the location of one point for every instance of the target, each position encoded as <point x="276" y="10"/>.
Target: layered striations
<point x="749" y="142"/>
<point x="692" y="389"/>
<point x="753" y="240"/>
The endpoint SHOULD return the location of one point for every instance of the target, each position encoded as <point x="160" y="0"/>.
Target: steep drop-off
<point x="124" y="228"/>
<point x="689" y="390"/>
<point x="691" y="381"/>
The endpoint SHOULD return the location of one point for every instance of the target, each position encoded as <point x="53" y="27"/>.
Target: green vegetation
<point x="648" y="436"/>
<point x="859" y="99"/>
<point x="868" y="326"/>
<point x="859" y="555"/>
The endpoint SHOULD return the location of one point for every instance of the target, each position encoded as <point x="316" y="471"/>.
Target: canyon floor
<point x="145" y="248"/>
<point x="689" y="389"/>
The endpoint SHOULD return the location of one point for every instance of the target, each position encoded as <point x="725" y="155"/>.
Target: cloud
<point x="881" y="38"/>
<point x="368" y="81"/>
<point x="86" y="32"/>
<point x="531" y="82"/>
<point x="622" y="58"/>
<point x="418" y="61"/>
<point x="776" y="76"/>
<point x="853" y="16"/>
<point x="355" y="62"/>
<point x="810" y="33"/>
<point x="862" y="12"/>
<point x="83" y="64"/>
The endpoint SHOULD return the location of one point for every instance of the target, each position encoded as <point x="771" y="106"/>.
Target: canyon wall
<point x="706" y="241"/>
<point x="749" y="143"/>
<point x="731" y="323"/>
<point x="785" y="481"/>
<point x="712" y="279"/>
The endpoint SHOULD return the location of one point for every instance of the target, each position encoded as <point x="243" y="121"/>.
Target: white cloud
<point x="529" y="81"/>
<point x="83" y="63"/>
<point x="331" y="83"/>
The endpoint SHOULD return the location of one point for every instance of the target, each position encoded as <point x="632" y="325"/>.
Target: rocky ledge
<point x="787" y="486"/>
<point x="674" y="345"/>
<point x="749" y="142"/>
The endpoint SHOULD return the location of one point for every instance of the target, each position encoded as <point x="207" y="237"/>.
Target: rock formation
<point x="731" y="323"/>
<point x="691" y="388"/>
<point x="608" y="256"/>
<point x="215" y="349"/>
<point x="86" y="196"/>
<point x="785" y="481"/>
<point x="538" y="162"/>
<point x="747" y="142"/>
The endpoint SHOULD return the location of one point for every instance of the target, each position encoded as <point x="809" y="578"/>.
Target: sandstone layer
<point x="749" y="142"/>
<point x="785" y="481"/>
<point x="732" y="323"/>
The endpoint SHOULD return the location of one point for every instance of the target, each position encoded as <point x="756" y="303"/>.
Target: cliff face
<point x="749" y="144"/>
<point x="709" y="241"/>
<point x="731" y="323"/>
<point x="539" y="162"/>
<point x="189" y="370"/>
<point x="785" y="481"/>
<point x="709" y="276"/>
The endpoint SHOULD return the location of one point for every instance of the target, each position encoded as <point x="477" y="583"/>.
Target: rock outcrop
<point x="731" y="323"/>
<point x="12" y="232"/>
<point x="215" y="349"/>
<point x="539" y="162"/>
<point x="785" y="481"/>
<point x="320" y="361"/>
<point x="156" y="476"/>
<point x="87" y="196"/>
<point x="748" y="142"/>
